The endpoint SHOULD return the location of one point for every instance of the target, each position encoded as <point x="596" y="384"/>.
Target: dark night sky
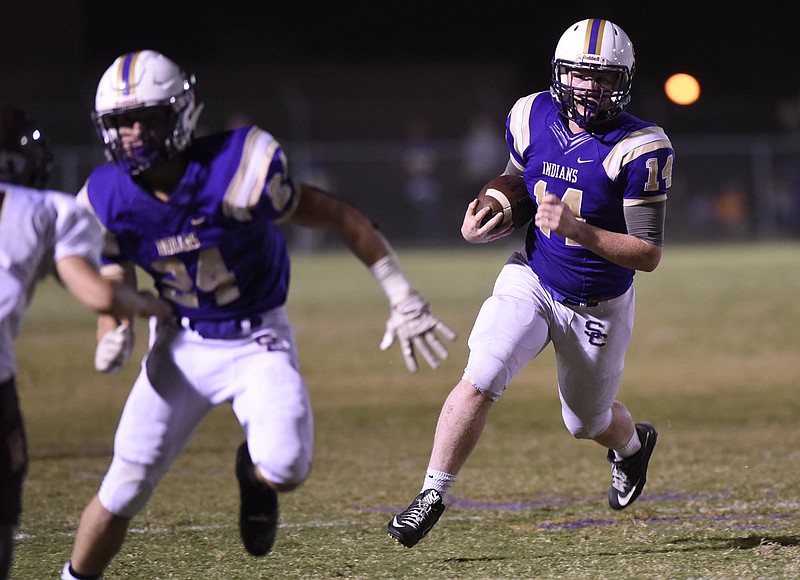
<point x="707" y="36"/>
<point x="736" y="43"/>
<point x="742" y="52"/>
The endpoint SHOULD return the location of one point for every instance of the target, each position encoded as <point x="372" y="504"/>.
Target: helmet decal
<point x="594" y="36"/>
<point x="126" y="68"/>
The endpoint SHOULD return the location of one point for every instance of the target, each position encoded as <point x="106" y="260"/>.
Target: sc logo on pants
<point x="272" y="341"/>
<point x="594" y="330"/>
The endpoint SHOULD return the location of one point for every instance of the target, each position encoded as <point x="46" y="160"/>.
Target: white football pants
<point x="183" y="377"/>
<point x="521" y="318"/>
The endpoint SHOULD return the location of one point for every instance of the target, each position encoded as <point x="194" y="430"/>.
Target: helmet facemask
<point x="601" y="50"/>
<point x="590" y="107"/>
<point x="165" y="134"/>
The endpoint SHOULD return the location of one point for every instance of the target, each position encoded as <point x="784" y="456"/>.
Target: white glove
<point x="114" y="349"/>
<point x="415" y="328"/>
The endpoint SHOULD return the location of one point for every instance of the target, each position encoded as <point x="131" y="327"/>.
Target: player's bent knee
<point x="125" y="489"/>
<point x="291" y="478"/>
<point x="282" y="484"/>
<point x="284" y="487"/>
<point x="580" y="432"/>
<point x="586" y="429"/>
<point x="286" y="468"/>
<point x="490" y="375"/>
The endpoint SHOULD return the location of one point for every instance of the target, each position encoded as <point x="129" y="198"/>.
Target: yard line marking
<point x="159" y="530"/>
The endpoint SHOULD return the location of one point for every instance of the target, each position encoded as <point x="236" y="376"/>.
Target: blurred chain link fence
<point x="725" y="188"/>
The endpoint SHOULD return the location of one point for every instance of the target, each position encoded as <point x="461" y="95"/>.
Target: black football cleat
<point x="412" y="524"/>
<point x="629" y="475"/>
<point x="258" y="510"/>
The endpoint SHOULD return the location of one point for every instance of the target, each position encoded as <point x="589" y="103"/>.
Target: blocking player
<point x="599" y="177"/>
<point x="201" y="215"/>
<point x="42" y="232"/>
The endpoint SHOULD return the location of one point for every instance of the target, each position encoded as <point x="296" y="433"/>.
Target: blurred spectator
<point x="422" y="188"/>
<point x="484" y="152"/>
<point x="789" y="119"/>
<point x="730" y="209"/>
<point x="789" y="113"/>
<point x="698" y="213"/>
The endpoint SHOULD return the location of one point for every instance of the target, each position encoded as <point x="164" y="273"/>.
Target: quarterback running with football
<point x="42" y="233"/>
<point x="599" y="177"/>
<point x="201" y="215"/>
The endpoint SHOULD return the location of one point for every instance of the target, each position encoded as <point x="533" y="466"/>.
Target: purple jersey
<point x="213" y="248"/>
<point x="626" y="161"/>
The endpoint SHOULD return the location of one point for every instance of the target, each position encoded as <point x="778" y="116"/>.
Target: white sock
<point x="630" y="448"/>
<point x="66" y="573"/>
<point x="438" y="480"/>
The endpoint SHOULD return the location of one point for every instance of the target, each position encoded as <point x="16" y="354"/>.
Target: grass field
<point x="715" y="364"/>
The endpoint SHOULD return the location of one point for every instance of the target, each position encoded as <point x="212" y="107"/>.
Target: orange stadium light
<point x="682" y="89"/>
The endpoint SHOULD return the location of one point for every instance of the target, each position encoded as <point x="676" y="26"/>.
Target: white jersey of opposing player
<point x="37" y="229"/>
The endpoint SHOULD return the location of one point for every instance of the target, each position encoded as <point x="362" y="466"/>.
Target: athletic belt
<point x="229" y="328"/>
<point x="590" y="304"/>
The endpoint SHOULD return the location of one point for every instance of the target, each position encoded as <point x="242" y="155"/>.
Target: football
<point x="508" y="195"/>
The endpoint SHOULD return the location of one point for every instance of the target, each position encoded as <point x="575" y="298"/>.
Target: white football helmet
<point x="145" y="82"/>
<point x="593" y="45"/>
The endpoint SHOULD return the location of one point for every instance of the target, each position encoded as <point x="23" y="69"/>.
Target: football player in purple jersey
<point x="599" y="177"/>
<point x="42" y="232"/>
<point x="201" y="216"/>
